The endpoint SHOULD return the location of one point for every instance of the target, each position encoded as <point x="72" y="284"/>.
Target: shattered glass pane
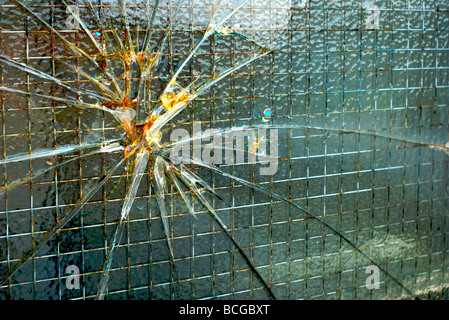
<point x="244" y="149"/>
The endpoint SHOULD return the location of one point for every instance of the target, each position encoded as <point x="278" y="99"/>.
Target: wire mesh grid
<point x="362" y="116"/>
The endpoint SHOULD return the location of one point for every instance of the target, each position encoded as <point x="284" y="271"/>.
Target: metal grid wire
<point x="387" y="192"/>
